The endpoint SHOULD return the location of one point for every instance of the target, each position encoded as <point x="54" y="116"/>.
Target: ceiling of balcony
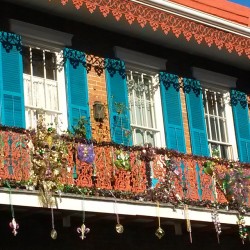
<point x="139" y="231"/>
<point x="156" y="37"/>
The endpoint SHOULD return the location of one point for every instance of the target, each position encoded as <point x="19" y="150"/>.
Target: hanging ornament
<point x="242" y="227"/>
<point x="217" y="225"/>
<point x="159" y="232"/>
<point x="119" y="227"/>
<point x="85" y="153"/>
<point x="122" y="160"/>
<point x="215" y="214"/>
<point x="13" y="224"/>
<point x="53" y="233"/>
<point x="82" y="230"/>
<point x="188" y="222"/>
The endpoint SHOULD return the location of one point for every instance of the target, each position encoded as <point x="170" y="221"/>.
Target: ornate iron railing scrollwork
<point x="99" y="64"/>
<point x="75" y="57"/>
<point x="238" y="97"/>
<point x="114" y="66"/>
<point x="10" y="41"/>
<point x="167" y="79"/>
<point x="191" y="85"/>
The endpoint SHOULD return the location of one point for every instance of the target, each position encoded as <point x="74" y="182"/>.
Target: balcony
<point x="50" y="167"/>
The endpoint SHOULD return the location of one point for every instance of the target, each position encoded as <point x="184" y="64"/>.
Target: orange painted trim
<point x="158" y="19"/>
<point x="221" y="8"/>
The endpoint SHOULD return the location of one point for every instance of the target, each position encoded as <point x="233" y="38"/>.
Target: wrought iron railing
<point x="132" y="173"/>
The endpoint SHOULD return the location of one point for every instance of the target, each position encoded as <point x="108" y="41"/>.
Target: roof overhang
<point x="159" y="22"/>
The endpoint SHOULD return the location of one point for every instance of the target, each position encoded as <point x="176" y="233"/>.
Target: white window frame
<point x="220" y="83"/>
<point x="54" y="41"/>
<point x="150" y="65"/>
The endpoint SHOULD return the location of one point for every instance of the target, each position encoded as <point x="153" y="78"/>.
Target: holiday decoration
<point x="242" y="227"/>
<point x="14" y="225"/>
<point x="159" y="232"/>
<point x="215" y="214"/>
<point x="83" y="230"/>
<point x="85" y="153"/>
<point x="119" y="227"/>
<point x="49" y="158"/>
<point x="148" y="155"/>
<point x="53" y="233"/>
<point x="188" y="222"/>
<point x="122" y="160"/>
<point x="217" y="225"/>
<point x="45" y="161"/>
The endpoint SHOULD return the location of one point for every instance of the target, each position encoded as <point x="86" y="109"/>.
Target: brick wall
<point x="98" y="92"/>
<point x="185" y="122"/>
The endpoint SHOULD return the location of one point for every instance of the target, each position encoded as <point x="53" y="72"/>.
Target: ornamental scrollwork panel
<point x="167" y="22"/>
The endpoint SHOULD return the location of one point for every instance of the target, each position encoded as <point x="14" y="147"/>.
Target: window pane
<point x="139" y="112"/>
<point x="149" y="115"/>
<point x="223" y="131"/>
<point x="26" y="60"/>
<point x="213" y="128"/>
<point x="50" y="65"/>
<point x="139" y="137"/>
<point x="208" y="131"/>
<point x="215" y="150"/>
<point x="220" y="105"/>
<point x="211" y="103"/>
<point x="224" y="151"/>
<point x="51" y="95"/>
<point x="37" y="62"/>
<point x="38" y="94"/>
<point x="150" y="138"/>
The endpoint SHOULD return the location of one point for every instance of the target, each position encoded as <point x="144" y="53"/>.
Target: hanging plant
<point x="122" y="160"/>
<point x="85" y="153"/>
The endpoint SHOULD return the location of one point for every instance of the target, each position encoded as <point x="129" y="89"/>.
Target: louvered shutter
<point x="172" y="112"/>
<point x="119" y="115"/>
<point x="241" y="123"/>
<point x="77" y="89"/>
<point x="11" y="85"/>
<point x="196" y="117"/>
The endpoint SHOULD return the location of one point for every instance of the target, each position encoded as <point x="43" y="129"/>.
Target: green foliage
<point x="79" y="130"/>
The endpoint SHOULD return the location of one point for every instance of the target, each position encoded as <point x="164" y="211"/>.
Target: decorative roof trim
<point x="158" y="19"/>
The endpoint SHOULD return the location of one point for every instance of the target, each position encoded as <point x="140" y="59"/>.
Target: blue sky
<point x="242" y="2"/>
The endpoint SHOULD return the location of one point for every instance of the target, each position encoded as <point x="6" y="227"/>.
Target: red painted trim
<point x="158" y="19"/>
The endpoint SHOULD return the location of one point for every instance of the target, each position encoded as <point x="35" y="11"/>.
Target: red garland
<point x="168" y="23"/>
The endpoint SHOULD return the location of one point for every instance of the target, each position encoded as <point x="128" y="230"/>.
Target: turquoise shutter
<point x="119" y="115"/>
<point x="196" y="117"/>
<point x="241" y="123"/>
<point x="77" y="89"/>
<point x="172" y="112"/>
<point x="11" y="81"/>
